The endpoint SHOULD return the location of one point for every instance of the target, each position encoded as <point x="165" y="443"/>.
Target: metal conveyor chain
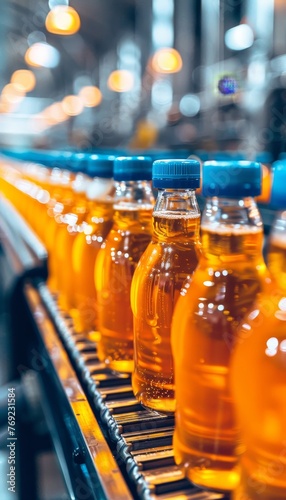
<point x="140" y="439"/>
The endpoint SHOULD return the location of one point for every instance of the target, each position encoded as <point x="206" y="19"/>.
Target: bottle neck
<point x="100" y="197"/>
<point x="133" y="195"/>
<point x="176" y="216"/>
<point x="100" y="189"/>
<point x="232" y="230"/>
<point x="133" y="204"/>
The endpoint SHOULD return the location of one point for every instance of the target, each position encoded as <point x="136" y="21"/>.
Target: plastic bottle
<point x="169" y="259"/>
<point x="230" y="274"/>
<point x="93" y="231"/>
<point x="68" y="227"/>
<point x="118" y="258"/>
<point x="258" y="374"/>
<point x="276" y="248"/>
<point x="62" y="201"/>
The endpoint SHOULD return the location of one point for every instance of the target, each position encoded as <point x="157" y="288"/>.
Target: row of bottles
<point x="192" y="298"/>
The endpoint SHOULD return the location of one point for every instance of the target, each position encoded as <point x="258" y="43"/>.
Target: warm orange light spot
<point x="25" y="79"/>
<point x="42" y="54"/>
<point x="72" y="105"/>
<point x="63" y="20"/>
<point x="145" y="135"/>
<point x="12" y="93"/>
<point x="90" y="96"/>
<point x="120" y="80"/>
<point x="55" y="114"/>
<point x="167" y="60"/>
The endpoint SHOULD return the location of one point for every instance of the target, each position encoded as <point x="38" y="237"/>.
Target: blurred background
<point x="204" y="74"/>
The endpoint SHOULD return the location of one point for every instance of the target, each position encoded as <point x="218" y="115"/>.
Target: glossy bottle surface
<point x="260" y="395"/>
<point x="229" y="276"/>
<point x="168" y="260"/>
<point x="65" y="236"/>
<point x="276" y="255"/>
<point x="85" y="250"/>
<point x="63" y="212"/>
<point x="114" y="269"/>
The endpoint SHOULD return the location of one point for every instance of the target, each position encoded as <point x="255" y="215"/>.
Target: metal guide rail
<point x="140" y="439"/>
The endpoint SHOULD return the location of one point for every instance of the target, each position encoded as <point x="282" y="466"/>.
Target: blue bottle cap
<point x="176" y="174"/>
<point x="231" y="179"/>
<point x="100" y="166"/>
<point x="133" y="168"/>
<point x="49" y="158"/>
<point x="278" y="190"/>
<point x="78" y="162"/>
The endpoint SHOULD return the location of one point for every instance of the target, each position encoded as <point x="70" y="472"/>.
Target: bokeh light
<point x="42" y="54"/>
<point x="63" y="20"/>
<point x="240" y="37"/>
<point x="12" y="93"/>
<point x="55" y="3"/>
<point x="55" y="114"/>
<point x="190" y="105"/>
<point x="121" y="81"/>
<point x="72" y="105"/>
<point x="167" y="60"/>
<point x="91" y="96"/>
<point x="227" y="85"/>
<point x="25" y="78"/>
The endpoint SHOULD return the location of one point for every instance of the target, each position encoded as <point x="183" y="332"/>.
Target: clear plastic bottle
<point x="230" y="274"/>
<point x="258" y="373"/>
<point x="169" y="259"/>
<point x="68" y="227"/>
<point x="68" y="187"/>
<point x="118" y="257"/>
<point x="276" y="248"/>
<point x="93" y="231"/>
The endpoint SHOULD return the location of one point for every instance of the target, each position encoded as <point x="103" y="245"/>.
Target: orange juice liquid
<point x="276" y="257"/>
<point x="85" y="250"/>
<point x="224" y="286"/>
<point x="114" y="269"/>
<point x="258" y="376"/>
<point x="62" y="200"/>
<point x="65" y="236"/>
<point x="169" y="259"/>
<point x="55" y="220"/>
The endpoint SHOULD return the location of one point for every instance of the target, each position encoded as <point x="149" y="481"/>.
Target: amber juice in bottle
<point x="258" y="373"/>
<point x="230" y="275"/>
<point x="93" y="231"/>
<point x="84" y="253"/>
<point x="276" y="255"/>
<point x="118" y="258"/>
<point x="169" y="259"/>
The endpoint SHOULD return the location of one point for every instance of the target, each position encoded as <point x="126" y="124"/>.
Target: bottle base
<point x="164" y="406"/>
<point x="154" y="393"/>
<point x="122" y="366"/>
<point x="214" y="479"/>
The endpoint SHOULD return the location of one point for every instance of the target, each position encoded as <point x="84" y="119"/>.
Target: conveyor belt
<point x="140" y="439"/>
